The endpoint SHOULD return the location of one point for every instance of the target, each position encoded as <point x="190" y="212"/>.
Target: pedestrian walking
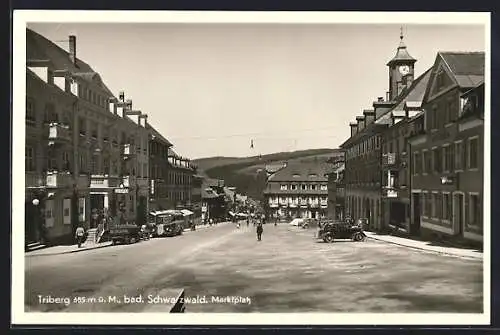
<point x="260" y="230"/>
<point x="79" y="233"/>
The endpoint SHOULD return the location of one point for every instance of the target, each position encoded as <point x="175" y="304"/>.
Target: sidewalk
<point x="426" y="246"/>
<point x="66" y="249"/>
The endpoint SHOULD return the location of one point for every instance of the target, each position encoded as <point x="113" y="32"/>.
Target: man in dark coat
<point x="260" y="230"/>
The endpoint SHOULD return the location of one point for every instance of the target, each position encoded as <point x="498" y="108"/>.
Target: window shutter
<point x="467" y="218"/>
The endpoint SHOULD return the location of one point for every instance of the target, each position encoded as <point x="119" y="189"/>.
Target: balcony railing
<point x="389" y="159"/>
<point x="59" y="179"/>
<point x="390" y="192"/>
<point x="59" y="133"/>
<point x="128" y="150"/>
<point x="34" y="179"/>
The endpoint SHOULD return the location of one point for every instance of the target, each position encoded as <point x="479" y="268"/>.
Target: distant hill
<point x="248" y="175"/>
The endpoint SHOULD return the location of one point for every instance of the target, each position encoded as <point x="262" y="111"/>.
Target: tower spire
<point x="401" y="33"/>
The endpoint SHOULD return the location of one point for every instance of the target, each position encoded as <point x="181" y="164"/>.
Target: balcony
<point x="104" y="181"/>
<point x="59" y="179"/>
<point x="389" y="159"/>
<point x="128" y="151"/>
<point x="125" y="181"/>
<point x="389" y="192"/>
<point x="59" y="134"/>
<point x="34" y="179"/>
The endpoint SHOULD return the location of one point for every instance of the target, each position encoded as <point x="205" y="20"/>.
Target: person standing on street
<point x="260" y="230"/>
<point x="80" y="232"/>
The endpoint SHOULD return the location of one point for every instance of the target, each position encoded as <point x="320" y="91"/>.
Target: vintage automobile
<point x="331" y="230"/>
<point x="167" y="223"/>
<point x="126" y="233"/>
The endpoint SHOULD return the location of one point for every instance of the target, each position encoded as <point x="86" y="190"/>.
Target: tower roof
<point x="402" y="54"/>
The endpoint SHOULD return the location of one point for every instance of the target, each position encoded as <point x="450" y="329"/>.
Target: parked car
<point x="340" y="230"/>
<point x="309" y="223"/>
<point x="127" y="233"/>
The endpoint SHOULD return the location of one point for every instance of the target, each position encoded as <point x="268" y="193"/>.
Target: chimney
<point x="354" y="128"/>
<point x="129" y="103"/>
<point x="72" y="49"/>
<point x="380" y="99"/>
<point x="122" y="96"/>
<point x="361" y="122"/>
<point x="369" y="115"/>
<point x="387" y="96"/>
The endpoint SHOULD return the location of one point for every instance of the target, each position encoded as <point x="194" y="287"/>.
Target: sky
<point x="212" y="89"/>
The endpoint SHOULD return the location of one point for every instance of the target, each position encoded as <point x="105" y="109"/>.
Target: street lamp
<point x="35" y="202"/>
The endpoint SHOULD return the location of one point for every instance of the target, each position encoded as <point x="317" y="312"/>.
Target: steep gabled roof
<point x="157" y="134"/>
<point x="310" y="171"/>
<point x="465" y="69"/>
<point x="40" y="48"/>
<point x="414" y="94"/>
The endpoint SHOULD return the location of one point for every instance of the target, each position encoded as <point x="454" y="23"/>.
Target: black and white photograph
<point x="251" y="168"/>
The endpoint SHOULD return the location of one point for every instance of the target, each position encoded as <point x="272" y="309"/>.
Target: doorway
<point x="415" y="224"/>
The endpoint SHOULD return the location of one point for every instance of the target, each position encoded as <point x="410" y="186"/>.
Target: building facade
<point x="447" y="178"/>
<point x="86" y="151"/>
<point x="158" y="170"/>
<point x="298" y="191"/>
<point x="180" y="178"/>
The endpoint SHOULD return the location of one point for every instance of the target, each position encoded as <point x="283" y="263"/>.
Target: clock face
<point x="404" y="69"/>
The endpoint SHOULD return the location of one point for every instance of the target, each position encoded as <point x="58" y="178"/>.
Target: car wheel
<point x="358" y="237"/>
<point x="114" y="242"/>
<point x="132" y="240"/>
<point x="328" y="238"/>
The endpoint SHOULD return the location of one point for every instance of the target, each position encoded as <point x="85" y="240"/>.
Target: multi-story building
<point x="366" y="170"/>
<point x="298" y="190"/>
<point x="89" y="146"/>
<point x="180" y="177"/>
<point x="395" y="153"/>
<point x="158" y="170"/>
<point x="447" y="176"/>
<point x="196" y="195"/>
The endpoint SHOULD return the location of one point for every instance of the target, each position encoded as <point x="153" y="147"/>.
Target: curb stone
<point x="427" y="250"/>
<point x="72" y="251"/>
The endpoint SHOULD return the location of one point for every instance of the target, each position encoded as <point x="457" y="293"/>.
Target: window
<point x="49" y="213"/>
<point x="114" y="167"/>
<point x="82" y="163"/>
<point x="304" y="187"/>
<point x="313" y="187"/>
<point x="417" y="163"/>
<point x="293" y="187"/>
<point x="93" y="165"/>
<point x="50" y="113"/>
<point x="30" y="111"/>
<point x="447" y="207"/>
<point x="29" y="159"/>
<point x="94" y="129"/>
<point x="82" y="126"/>
<point x="459" y="155"/>
<point x="447" y="158"/>
<point x="474" y="209"/>
<point x="449" y="111"/>
<point x="283" y="187"/>
<point x="324" y="187"/>
<point x="436" y="157"/>
<point x="106" y="165"/>
<point x="425" y="211"/>
<point x="66" y="161"/>
<point x="433" y="204"/>
<point x="473" y="153"/>
<point x="438" y="205"/>
<point x="145" y="170"/>
<point x="434" y="118"/>
<point x="426" y="167"/>
<point x="52" y="163"/>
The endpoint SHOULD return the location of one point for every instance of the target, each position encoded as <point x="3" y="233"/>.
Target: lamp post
<point x="35" y="203"/>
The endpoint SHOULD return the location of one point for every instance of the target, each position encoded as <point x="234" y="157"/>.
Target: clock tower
<point x="401" y="70"/>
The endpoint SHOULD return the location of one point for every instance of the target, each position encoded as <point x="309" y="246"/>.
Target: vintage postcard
<point x="319" y="168"/>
